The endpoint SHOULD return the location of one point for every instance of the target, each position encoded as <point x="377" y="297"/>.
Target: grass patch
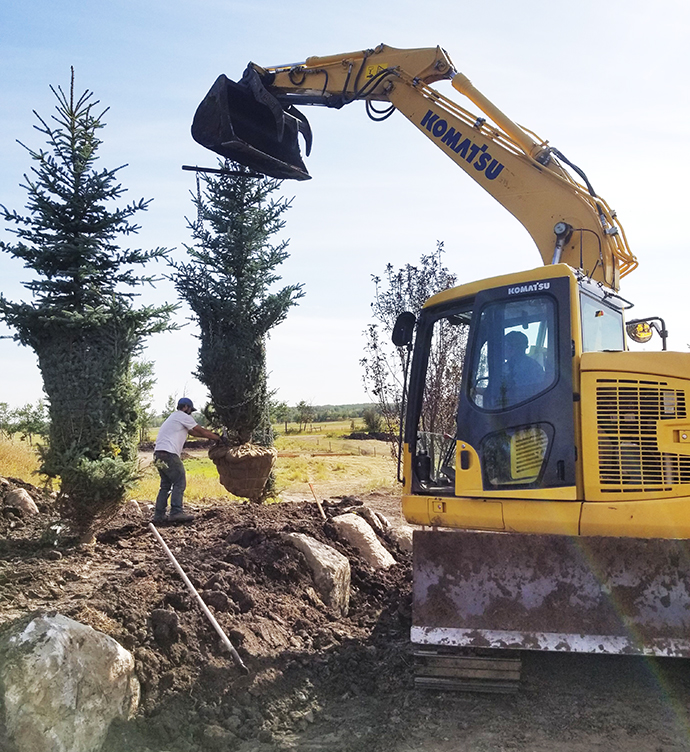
<point x="332" y="465"/>
<point x="18" y="459"/>
<point x="202" y="482"/>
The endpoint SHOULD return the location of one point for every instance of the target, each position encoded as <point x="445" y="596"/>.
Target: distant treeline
<point x="303" y="412"/>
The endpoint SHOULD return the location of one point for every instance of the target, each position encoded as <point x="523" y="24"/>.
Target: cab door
<point x="516" y="407"/>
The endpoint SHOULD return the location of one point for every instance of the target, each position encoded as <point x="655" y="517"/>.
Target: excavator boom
<point x="256" y="123"/>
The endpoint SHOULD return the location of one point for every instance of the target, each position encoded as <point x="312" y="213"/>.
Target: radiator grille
<point x="627" y="415"/>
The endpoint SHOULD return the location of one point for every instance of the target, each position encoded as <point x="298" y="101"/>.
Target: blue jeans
<point x="173" y="478"/>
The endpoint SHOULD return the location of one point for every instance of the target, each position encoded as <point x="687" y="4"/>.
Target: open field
<point x="319" y="459"/>
<point x="18" y="460"/>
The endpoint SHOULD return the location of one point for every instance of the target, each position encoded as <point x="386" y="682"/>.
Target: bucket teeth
<point x="246" y="123"/>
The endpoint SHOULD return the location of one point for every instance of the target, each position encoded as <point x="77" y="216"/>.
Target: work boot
<point x="180" y="517"/>
<point x="159" y="519"/>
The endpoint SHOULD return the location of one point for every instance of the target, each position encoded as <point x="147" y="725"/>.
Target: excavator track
<point x="451" y="670"/>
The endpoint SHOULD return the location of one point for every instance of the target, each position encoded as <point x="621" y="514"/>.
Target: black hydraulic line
<point x="378" y="116"/>
<point x="577" y="169"/>
<point x="590" y="188"/>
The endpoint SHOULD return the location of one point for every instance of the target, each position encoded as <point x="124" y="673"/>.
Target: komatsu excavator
<point x="553" y="471"/>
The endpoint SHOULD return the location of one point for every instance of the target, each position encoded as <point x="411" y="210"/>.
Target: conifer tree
<point x="227" y="284"/>
<point x="81" y="321"/>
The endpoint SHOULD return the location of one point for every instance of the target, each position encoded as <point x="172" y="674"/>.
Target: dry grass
<point x="18" y="459"/>
<point x="322" y="461"/>
<point x="202" y="481"/>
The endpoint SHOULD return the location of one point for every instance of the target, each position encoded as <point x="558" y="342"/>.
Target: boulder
<point x="330" y="570"/>
<point x="20" y="498"/>
<point x="402" y="537"/>
<point x="372" y="518"/>
<point x="62" y="684"/>
<point x="359" y="534"/>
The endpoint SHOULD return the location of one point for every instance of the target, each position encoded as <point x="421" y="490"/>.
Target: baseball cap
<point x="185" y="402"/>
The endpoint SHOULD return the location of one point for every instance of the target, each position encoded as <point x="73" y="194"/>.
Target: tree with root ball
<point x="228" y="282"/>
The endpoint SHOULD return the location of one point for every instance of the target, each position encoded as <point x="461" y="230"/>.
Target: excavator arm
<point x="256" y="123"/>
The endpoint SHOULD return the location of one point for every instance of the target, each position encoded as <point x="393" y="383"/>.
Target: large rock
<point x="375" y="520"/>
<point x="402" y="537"/>
<point x="63" y="683"/>
<point x="359" y="534"/>
<point x="330" y="570"/>
<point x="20" y="498"/>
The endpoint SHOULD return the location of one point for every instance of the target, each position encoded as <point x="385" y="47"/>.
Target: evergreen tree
<point x="227" y="284"/>
<point x="83" y="327"/>
<point x="143" y="381"/>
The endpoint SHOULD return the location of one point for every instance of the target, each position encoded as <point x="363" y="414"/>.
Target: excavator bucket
<point x="244" y="122"/>
<point x="547" y="592"/>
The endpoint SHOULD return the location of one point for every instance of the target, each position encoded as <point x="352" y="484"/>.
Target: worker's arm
<point x="204" y="433"/>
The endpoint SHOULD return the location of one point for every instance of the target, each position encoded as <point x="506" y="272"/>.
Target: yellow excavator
<point x="548" y="464"/>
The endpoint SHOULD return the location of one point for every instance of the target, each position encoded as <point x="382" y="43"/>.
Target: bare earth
<point x="316" y="682"/>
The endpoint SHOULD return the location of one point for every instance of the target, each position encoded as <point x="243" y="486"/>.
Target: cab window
<point x="602" y="326"/>
<point x="514" y="357"/>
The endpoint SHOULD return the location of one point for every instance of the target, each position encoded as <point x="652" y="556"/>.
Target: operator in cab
<point x="523" y="377"/>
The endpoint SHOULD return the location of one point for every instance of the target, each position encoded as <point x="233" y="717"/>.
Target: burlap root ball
<point x="244" y="470"/>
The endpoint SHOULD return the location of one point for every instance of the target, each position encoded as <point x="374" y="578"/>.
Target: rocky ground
<point x="316" y="681"/>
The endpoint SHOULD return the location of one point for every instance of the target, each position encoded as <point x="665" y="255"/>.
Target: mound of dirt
<point x="301" y="656"/>
<point x="316" y="681"/>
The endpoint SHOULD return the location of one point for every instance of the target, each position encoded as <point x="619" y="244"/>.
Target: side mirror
<point x="403" y="329"/>
<point x="640" y="332"/>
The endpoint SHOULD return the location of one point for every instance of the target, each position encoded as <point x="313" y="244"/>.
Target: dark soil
<point x="316" y="681"/>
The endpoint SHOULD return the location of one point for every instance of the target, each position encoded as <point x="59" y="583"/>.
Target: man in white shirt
<point x="167" y="456"/>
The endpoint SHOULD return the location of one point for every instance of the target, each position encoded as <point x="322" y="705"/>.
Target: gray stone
<point x="20" y="498"/>
<point x="330" y="570"/>
<point x="63" y="683"/>
<point x="359" y="534"/>
<point x="372" y="518"/>
<point x="402" y="537"/>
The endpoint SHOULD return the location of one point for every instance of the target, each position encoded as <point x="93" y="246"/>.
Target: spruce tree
<point x="81" y="321"/>
<point x="228" y="285"/>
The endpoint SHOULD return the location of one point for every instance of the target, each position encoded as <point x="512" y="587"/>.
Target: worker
<point x="167" y="458"/>
<point x="523" y="376"/>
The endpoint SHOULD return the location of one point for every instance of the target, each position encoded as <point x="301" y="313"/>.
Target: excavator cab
<point x="491" y="406"/>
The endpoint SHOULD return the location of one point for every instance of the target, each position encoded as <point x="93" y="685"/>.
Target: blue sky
<point x="605" y="82"/>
